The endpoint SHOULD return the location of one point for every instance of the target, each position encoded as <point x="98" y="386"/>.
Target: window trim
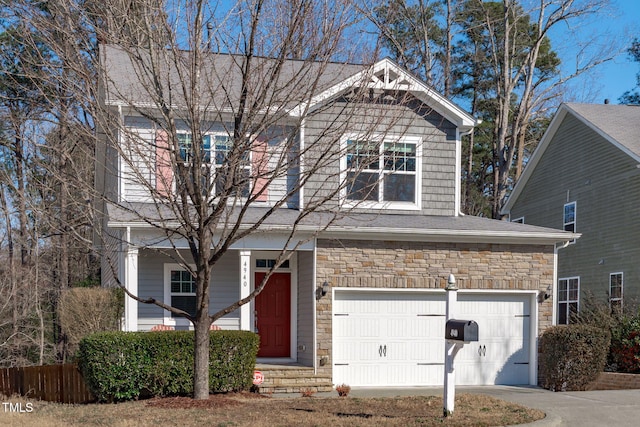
<point x="168" y="319"/>
<point x="575" y="218"/>
<point x="212" y="161"/>
<point x="382" y="138"/>
<point x="621" y="298"/>
<point x="567" y="301"/>
<point x="519" y="220"/>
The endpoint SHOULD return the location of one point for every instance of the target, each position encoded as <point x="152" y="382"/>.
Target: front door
<point x="273" y="315"/>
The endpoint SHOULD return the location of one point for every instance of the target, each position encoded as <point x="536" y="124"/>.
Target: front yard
<point x="262" y="411"/>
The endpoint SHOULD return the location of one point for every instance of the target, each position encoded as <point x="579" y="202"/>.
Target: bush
<point x="84" y="311"/>
<point x="130" y="365"/>
<point x="624" y="327"/>
<point x="572" y="356"/>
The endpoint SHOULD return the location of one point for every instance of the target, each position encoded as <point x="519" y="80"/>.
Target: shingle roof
<point x="127" y="77"/>
<point x="621" y="123"/>
<point x="132" y="78"/>
<point x="367" y="225"/>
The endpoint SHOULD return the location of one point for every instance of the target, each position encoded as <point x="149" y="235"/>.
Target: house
<point x="361" y="300"/>
<point x="587" y="164"/>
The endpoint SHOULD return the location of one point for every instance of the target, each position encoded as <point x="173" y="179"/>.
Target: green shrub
<point x="572" y="356"/>
<point x="130" y="365"/>
<point x="624" y="327"/>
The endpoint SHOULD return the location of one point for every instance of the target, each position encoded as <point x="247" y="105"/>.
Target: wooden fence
<point x="53" y="383"/>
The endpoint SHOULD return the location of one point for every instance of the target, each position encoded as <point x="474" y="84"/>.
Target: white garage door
<point x="393" y="338"/>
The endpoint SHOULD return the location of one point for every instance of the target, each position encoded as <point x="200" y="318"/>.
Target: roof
<point x="367" y="226"/>
<point x="301" y="85"/>
<point x="617" y="124"/>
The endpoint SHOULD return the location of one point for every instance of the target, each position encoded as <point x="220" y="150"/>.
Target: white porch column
<point x="245" y="289"/>
<point x="131" y="283"/>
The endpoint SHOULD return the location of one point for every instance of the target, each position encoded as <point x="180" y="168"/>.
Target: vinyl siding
<point x="305" y="308"/>
<point x="138" y="172"/>
<point x="225" y="288"/>
<point x="414" y="120"/>
<point x="581" y="166"/>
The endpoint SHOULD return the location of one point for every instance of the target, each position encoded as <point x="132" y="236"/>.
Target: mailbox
<point x="461" y="330"/>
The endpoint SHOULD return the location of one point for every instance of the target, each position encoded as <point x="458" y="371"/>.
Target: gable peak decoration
<point x="385" y="75"/>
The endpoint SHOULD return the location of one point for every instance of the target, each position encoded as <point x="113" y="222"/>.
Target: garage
<point x="395" y="338"/>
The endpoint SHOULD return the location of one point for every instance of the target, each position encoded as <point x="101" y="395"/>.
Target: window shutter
<point x="164" y="172"/>
<point x="259" y="164"/>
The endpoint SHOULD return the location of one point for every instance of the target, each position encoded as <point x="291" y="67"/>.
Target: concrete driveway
<point x="574" y="408"/>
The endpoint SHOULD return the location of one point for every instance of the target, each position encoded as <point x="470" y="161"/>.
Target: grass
<point x="260" y="411"/>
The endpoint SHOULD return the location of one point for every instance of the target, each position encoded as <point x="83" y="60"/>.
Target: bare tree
<point x="222" y="123"/>
<point x="521" y="75"/>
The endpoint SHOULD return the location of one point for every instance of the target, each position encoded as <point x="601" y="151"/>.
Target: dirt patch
<point x="215" y="401"/>
<point x="256" y="410"/>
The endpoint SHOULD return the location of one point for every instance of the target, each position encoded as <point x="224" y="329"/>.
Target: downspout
<point x="314" y="304"/>
<point x="303" y="123"/>
<point x="556" y="248"/>
<point x="458" y="188"/>
<point x="121" y="186"/>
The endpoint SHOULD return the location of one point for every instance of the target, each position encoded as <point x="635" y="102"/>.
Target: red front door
<point x="273" y="315"/>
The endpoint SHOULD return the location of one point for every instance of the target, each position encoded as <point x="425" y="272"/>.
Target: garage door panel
<point x="408" y="329"/>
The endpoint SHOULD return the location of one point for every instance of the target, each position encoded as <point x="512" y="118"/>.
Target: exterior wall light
<point x="322" y="290"/>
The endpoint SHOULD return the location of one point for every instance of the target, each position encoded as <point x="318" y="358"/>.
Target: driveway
<point x="574" y="408"/>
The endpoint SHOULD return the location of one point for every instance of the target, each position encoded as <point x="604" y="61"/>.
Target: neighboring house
<point x="584" y="177"/>
<point x="383" y="266"/>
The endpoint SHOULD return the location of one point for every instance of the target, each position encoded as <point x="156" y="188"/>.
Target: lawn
<point x="262" y="411"/>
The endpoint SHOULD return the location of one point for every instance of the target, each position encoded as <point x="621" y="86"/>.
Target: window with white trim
<point x="383" y="172"/>
<point x="214" y="162"/>
<point x="615" y="290"/>
<point x="182" y="288"/>
<point x="568" y="299"/>
<point x="518" y="220"/>
<point x="569" y="218"/>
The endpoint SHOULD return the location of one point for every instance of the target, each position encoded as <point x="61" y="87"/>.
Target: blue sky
<point x="618" y="76"/>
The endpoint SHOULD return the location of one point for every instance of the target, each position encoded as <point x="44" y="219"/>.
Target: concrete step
<point x="292" y="379"/>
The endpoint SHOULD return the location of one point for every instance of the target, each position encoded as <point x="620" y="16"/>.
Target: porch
<point x="283" y="314"/>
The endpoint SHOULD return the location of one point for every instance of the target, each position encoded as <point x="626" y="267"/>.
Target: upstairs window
<point x="383" y="173"/>
<point x="568" y="299"/>
<point x="615" y="291"/>
<point x="569" y="218"/>
<point x="215" y="162"/>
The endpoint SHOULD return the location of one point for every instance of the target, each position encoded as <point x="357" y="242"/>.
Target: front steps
<point x="291" y="378"/>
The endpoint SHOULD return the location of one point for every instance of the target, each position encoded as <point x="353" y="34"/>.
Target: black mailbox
<point x="461" y="330"/>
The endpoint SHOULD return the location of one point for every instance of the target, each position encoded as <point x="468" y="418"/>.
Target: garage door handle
<point x="380" y="351"/>
<point x="385" y="351"/>
<point x="482" y="350"/>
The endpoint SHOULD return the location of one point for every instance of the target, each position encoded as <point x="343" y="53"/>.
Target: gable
<point x="574" y="126"/>
<point x="387" y="76"/>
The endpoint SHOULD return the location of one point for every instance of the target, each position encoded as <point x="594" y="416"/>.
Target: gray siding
<point x="581" y="166"/>
<point x="138" y="171"/>
<point x="305" y="308"/>
<point x="225" y="288"/>
<point x="326" y="127"/>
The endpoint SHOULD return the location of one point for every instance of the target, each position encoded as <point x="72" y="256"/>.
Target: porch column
<point x="131" y="283"/>
<point x="245" y="289"/>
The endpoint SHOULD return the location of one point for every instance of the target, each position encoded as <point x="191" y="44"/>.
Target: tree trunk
<point x="201" y="358"/>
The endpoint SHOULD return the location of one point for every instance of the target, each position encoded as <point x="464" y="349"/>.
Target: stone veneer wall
<point x="386" y="264"/>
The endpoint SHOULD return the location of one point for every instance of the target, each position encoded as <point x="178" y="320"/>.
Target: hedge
<point x="131" y="365"/>
<point x="572" y="356"/>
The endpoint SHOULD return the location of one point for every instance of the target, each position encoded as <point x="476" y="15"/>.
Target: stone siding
<point x="615" y="381"/>
<point x="415" y="265"/>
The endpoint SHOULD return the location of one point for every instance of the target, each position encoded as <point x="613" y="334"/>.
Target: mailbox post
<point x="457" y="334"/>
